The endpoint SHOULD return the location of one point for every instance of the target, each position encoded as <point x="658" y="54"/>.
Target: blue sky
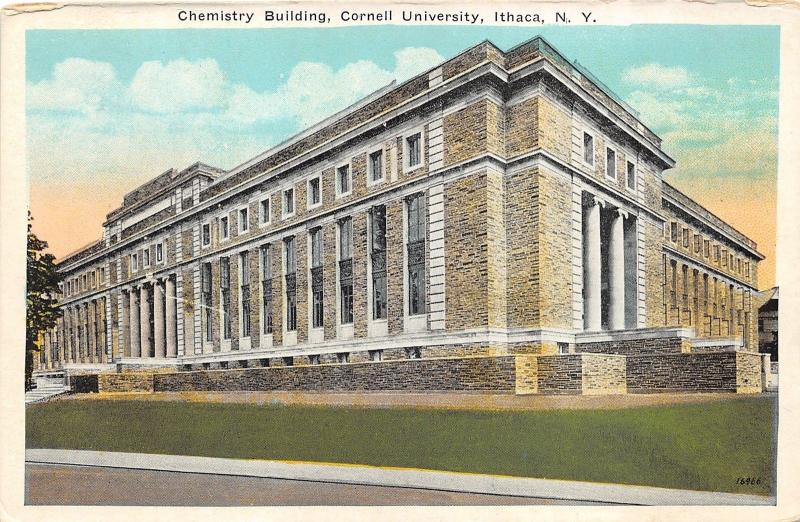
<point x="110" y="109"/>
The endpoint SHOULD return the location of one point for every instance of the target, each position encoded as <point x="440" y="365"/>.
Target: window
<point x="317" y="309"/>
<point x="413" y="151"/>
<point x="631" y="171"/>
<point x="706" y="248"/>
<point x="314" y="197"/>
<point x="378" y="260"/>
<point x="343" y="180"/>
<point x="685" y="280"/>
<point x="611" y="164"/>
<point x="225" y="288"/>
<point x="244" y="293"/>
<point x="224" y="228"/>
<point x="698" y="241"/>
<point x="416" y="254"/>
<point x="266" y="289"/>
<point x="346" y="270"/>
<point x="673" y="232"/>
<point x="288" y="203"/>
<point x="206" y="233"/>
<point x="588" y="148"/>
<point x="244" y="225"/>
<point x="205" y="282"/>
<point x="731" y="262"/>
<point x="716" y="253"/>
<point x="291" y="284"/>
<point x="134" y="262"/>
<point x="375" y="166"/>
<point x="685" y="238"/>
<point x="159" y="252"/>
<point x="102" y="275"/>
<point x="146" y="257"/>
<point x="739" y="265"/>
<point x="94" y="277"/>
<point x="747" y="269"/>
<point x="724" y="257"/>
<point x="263" y="211"/>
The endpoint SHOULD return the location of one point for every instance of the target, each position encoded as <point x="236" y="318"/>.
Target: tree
<point x="42" y="289"/>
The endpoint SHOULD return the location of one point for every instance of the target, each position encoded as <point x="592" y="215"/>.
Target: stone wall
<point x="693" y="372"/>
<point x="487" y="374"/>
<point x="663" y="345"/>
<point x="125" y="382"/>
<point x="83" y="383"/>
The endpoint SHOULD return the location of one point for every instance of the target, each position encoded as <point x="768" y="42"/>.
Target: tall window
<point x="588" y="148"/>
<point x="673" y="232"/>
<point x="685" y="238"/>
<point x="224" y="227"/>
<point x="698" y="241"/>
<point x="266" y="289"/>
<point x="705" y="293"/>
<point x="244" y="292"/>
<point x="205" y="276"/>
<point x="145" y="258"/>
<point x="414" y="150"/>
<point x="206" y="233"/>
<point x="416" y="254"/>
<point x="706" y="247"/>
<point x="673" y="284"/>
<point x="263" y="211"/>
<point x="291" y="284"/>
<point x="343" y="180"/>
<point x="346" y="269"/>
<point x="317" y="310"/>
<point x="611" y="164"/>
<point x="631" y="175"/>
<point x="378" y="260"/>
<point x="244" y="225"/>
<point x="225" y="287"/>
<point x="685" y="277"/>
<point x="376" y="165"/>
<point x="314" y="192"/>
<point x="288" y="202"/>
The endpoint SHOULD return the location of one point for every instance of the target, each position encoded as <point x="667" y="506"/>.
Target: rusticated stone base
<point x="125" y="382"/>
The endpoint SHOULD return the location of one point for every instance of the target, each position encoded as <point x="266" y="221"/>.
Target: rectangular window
<point x="611" y="164"/>
<point x="146" y="257"/>
<point x="244" y="224"/>
<point x="413" y="150"/>
<point x="631" y="172"/>
<point x="225" y="289"/>
<point x="343" y="180"/>
<point x="706" y="248"/>
<point x="159" y="252"/>
<point x="206" y="233"/>
<point x="94" y="278"/>
<point x="266" y="289"/>
<point x="205" y="283"/>
<point x="314" y="192"/>
<point x="378" y="260"/>
<point x="291" y="284"/>
<point x="263" y="211"/>
<point x="685" y="238"/>
<point x="738" y="265"/>
<point x="716" y="253"/>
<point x="698" y="241"/>
<point x="346" y="270"/>
<point x="317" y="308"/>
<point x="288" y="203"/>
<point x="376" y="166"/>
<point x="134" y="262"/>
<point x="673" y="284"/>
<point x="244" y="293"/>
<point x="673" y="232"/>
<point x="416" y="254"/>
<point x="685" y="277"/>
<point x="731" y="262"/>
<point x="724" y="257"/>
<point x="102" y="275"/>
<point x="588" y="148"/>
<point x="224" y="228"/>
<point x="747" y="269"/>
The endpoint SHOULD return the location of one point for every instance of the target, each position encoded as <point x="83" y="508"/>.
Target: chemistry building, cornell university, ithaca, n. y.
<point x="498" y="223"/>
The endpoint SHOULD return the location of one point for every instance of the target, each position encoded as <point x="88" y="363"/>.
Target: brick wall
<point x="125" y="382"/>
<point x="689" y="372"/>
<point x="640" y="346"/>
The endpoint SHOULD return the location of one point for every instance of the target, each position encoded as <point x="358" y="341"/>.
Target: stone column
<point x="144" y="321"/>
<point x="591" y="267"/>
<point x="158" y="319"/>
<point x="172" y="319"/>
<point x="616" y="272"/>
<point x="136" y="347"/>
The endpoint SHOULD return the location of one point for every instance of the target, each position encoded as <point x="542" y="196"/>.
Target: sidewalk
<point x="398" y="477"/>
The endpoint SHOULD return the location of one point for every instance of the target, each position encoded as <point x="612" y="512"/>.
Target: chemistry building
<point x="504" y="208"/>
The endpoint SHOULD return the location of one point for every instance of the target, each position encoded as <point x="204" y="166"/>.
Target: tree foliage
<point x="41" y="296"/>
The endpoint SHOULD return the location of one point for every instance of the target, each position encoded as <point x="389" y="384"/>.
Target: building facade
<point x="500" y="203"/>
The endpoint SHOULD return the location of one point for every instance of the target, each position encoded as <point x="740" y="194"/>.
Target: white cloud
<point x="657" y="76"/>
<point x="178" y="85"/>
<point x="76" y="85"/>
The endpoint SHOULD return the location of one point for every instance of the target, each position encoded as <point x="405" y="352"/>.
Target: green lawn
<point x="688" y="446"/>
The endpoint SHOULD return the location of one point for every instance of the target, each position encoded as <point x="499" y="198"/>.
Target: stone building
<point x="502" y="203"/>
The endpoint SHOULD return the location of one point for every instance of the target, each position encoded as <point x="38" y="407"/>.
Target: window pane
<point x="611" y="164"/>
<point x="376" y="165"/>
<point x="588" y="148"/>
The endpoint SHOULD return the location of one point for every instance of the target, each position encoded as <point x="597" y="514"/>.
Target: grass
<point x="688" y="446"/>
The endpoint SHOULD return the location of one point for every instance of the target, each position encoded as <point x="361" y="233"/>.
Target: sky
<point x="108" y="110"/>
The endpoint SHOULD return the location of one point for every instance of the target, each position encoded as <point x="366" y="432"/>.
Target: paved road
<point x="48" y="484"/>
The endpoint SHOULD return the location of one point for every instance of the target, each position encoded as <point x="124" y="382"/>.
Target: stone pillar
<point x="591" y="267"/>
<point x="158" y="319"/>
<point x="144" y="322"/>
<point x="136" y="347"/>
<point x="172" y="319"/>
<point x="616" y="272"/>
